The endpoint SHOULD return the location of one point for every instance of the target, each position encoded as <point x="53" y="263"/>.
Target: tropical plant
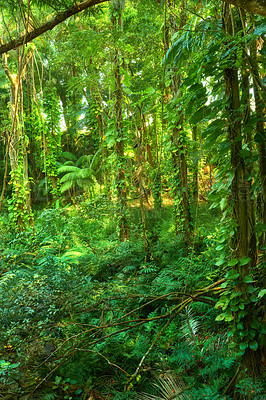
<point x="81" y="173"/>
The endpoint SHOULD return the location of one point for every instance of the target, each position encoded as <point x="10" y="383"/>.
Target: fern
<point x="81" y="174"/>
<point x="169" y="387"/>
<point x="190" y="326"/>
<point x="49" y="396"/>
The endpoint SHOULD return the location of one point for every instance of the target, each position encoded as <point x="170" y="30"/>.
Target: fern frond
<point x="66" y="186"/>
<point x="170" y="386"/>
<point x="85" y="173"/>
<point x="49" y="396"/>
<point x="191" y="325"/>
<point x="68" y="168"/>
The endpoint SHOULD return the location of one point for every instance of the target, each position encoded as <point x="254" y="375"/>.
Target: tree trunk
<point x="119" y="146"/>
<point x="243" y="242"/>
<point x="21" y="213"/>
<point x="260" y="140"/>
<point x="142" y="193"/>
<point x="182" y="206"/>
<point x="195" y="191"/>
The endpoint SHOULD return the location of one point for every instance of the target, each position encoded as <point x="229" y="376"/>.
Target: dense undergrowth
<point x="84" y="316"/>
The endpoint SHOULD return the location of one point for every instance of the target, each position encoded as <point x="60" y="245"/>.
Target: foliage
<point x="65" y="292"/>
<point x="143" y="167"/>
<point x="74" y="175"/>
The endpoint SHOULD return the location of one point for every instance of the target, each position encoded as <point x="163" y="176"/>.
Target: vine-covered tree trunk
<point x="182" y="207"/>
<point x="119" y="146"/>
<point x="51" y="140"/>
<point x="21" y="206"/>
<point x="195" y="189"/>
<point x="142" y="193"/>
<point x="243" y="242"/>
<point x="260" y="140"/>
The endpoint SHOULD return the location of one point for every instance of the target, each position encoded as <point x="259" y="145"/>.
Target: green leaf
<point x="229" y="317"/>
<point x="199" y="115"/>
<point x="255" y="324"/>
<point x="220" y="262"/>
<point x="258" y="138"/>
<point x="223" y="203"/>
<point x="213" y="196"/>
<point x="237" y="294"/>
<point x="248" y="279"/>
<point x="242" y="314"/>
<point x="261" y="293"/>
<point x="260" y="228"/>
<point x="233" y="274"/>
<point x="232" y="262"/>
<point x="216" y="127"/>
<point x="251" y="289"/>
<point x="253" y="345"/>
<point x="230" y="333"/>
<point x="243" y="346"/>
<point x="260" y="30"/>
<point x="244" y="261"/>
<point x="253" y="298"/>
<point x="252" y="333"/>
<point x="220" y="317"/>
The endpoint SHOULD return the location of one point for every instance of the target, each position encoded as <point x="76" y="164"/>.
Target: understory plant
<point x="85" y="315"/>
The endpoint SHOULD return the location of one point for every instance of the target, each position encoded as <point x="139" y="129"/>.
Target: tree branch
<point x="49" y="25"/>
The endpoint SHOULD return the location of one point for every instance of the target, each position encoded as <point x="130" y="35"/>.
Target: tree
<point x="21" y="202"/>
<point x="116" y="18"/>
<point x="49" y="25"/>
<point x="244" y="239"/>
<point x="181" y="194"/>
<point x="226" y="57"/>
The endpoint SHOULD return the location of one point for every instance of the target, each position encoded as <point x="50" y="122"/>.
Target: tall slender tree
<point x="117" y="25"/>
<point x="178" y="137"/>
<point x="21" y="203"/>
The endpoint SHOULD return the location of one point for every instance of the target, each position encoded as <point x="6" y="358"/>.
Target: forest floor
<point x="84" y="316"/>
